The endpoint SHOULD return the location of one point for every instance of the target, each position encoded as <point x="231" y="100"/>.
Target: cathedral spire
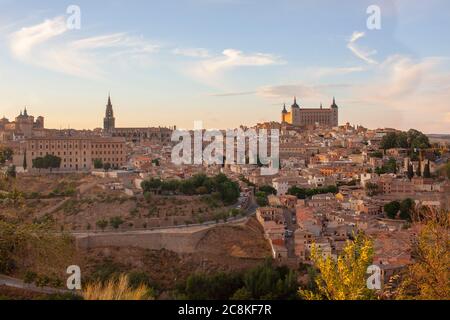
<point x="109" y="121"/>
<point x="334" y="105"/>
<point x="295" y="105"/>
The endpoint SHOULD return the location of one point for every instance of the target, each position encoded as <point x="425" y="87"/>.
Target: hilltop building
<point x="77" y="153"/>
<point x="302" y="117"/>
<point x="24" y="126"/>
<point x="133" y="134"/>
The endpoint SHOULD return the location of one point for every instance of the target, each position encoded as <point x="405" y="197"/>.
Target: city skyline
<point x="164" y="68"/>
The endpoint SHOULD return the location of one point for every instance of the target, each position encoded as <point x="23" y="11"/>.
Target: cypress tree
<point x="426" y="171"/>
<point x="410" y="171"/>
<point x="419" y="169"/>
<point x="25" y="160"/>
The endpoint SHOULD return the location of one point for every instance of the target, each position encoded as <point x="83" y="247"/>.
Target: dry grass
<point x="116" y="289"/>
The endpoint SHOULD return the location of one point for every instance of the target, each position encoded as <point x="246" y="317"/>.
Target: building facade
<point x="24" y="126"/>
<point x="133" y="134"/>
<point x="303" y="117"/>
<point x="77" y="153"/>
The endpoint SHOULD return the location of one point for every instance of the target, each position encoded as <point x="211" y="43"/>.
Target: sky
<point x="225" y="62"/>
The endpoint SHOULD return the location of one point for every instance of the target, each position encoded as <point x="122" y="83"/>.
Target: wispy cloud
<point x="338" y="71"/>
<point x="23" y="41"/>
<point x="233" y="94"/>
<point x="401" y="76"/>
<point x="361" y="53"/>
<point x="192" y="52"/>
<point x="232" y="58"/>
<point x="122" y="41"/>
<point x="44" y="45"/>
<point x="302" y="91"/>
<point x="210" y="70"/>
<point x="417" y="89"/>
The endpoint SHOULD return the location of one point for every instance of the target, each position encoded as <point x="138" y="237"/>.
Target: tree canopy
<point x="413" y="139"/>
<point x="264" y="282"/>
<point x="344" y="278"/>
<point x="389" y="167"/>
<point x="227" y="190"/>
<point x="428" y="278"/>
<point x="6" y="154"/>
<point x="47" y="162"/>
<point x="303" y="193"/>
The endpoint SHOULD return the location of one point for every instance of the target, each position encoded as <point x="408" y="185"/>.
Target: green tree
<point x="418" y="140"/>
<point x="150" y="185"/>
<point x="102" y="224"/>
<point x="11" y="171"/>
<point x="410" y="171"/>
<point x="16" y="197"/>
<point x="372" y="189"/>
<point x="48" y="162"/>
<point x="52" y="162"/>
<point x="268" y="190"/>
<point x="6" y="154"/>
<point x="305" y="193"/>
<point x="25" y="160"/>
<point x="427" y="171"/>
<point x="412" y="139"/>
<point x="406" y="209"/>
<point x="391" y="209"/>
<point x="376" y="154"/>
<point x="116" y="222"/>
<point x="389" y="141"/>
<point x="391" y="166"/>
<point x="219" y="286"/>
<point x="98" y="164"/>
<point x="219" y="186"/>
<point x="107" y="166"/>
<point x="201" y="190"/>
<point x="267" y="282"/>
<point x="428" y="278"/>
<point x="401" y="140"/>
<point x="419" y="169"/>
<point x="38" y="163"/>
<point x="344" y="278"/>
<point x="262" y="201"/>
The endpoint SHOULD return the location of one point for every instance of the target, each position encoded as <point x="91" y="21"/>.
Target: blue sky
<point x="226" y="62"/>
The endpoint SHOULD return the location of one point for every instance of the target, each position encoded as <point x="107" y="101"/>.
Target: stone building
<point x="133" y="134"/>
<point x="303" y="117"/>
<point x="78" y="153"/>
<point x="24" y="126"/>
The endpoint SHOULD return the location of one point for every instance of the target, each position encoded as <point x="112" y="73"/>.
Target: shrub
<point x="116" y="222"/>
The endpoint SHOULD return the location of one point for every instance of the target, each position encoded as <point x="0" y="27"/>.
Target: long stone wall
<point x="177" y="241"/>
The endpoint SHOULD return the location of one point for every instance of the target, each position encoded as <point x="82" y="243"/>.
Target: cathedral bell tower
<point x="109" y="122"/>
